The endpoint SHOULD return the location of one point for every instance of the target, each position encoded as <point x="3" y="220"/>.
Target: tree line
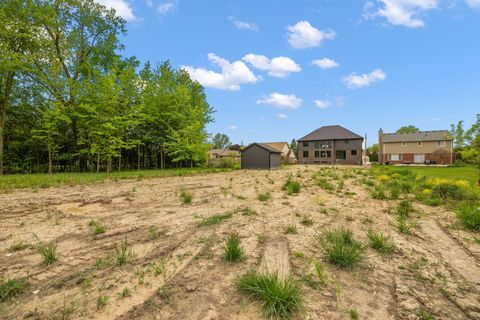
<point x="69" y="101"/>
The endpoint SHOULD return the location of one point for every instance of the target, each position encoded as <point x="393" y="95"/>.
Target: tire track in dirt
<point x="179" y="259"/>
<point x="456" y="256"/>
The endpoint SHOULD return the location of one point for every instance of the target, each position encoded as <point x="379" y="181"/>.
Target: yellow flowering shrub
<point x="383" y="178"/>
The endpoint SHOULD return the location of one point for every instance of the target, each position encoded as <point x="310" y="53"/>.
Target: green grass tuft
<point x="233" y="249"/>
<point x="215" y="219"/>
<point x="264" y="196"/>
<point x="186" y="197"/>
<point x="123" y="253"/>
<point x="340" y="247"/>
<point x="291" y="229"/>
<point x="48" y="251"/>
<point x="291" y="186"/>
<point x="281" y="298"/>
<point x="380" y="242"/>
<point x="469" y="215"/>
<point x="12" y="288"/>
<point x="97" y="227"/>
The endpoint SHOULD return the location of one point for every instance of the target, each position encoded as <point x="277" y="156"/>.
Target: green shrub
<point x="394" y="193"/>
<point x="380" y="242"/>
<point x="469" y="215"/>
<point x="12" y="288"/>
<point x="280" y="298"/>
<point x="233" y="249"/>
<point x="291" y="186"/>
<point x="340" y="248"/>
<point x="404" y="208"/>
<point x="378" y="193"/>
<point x="186" y="197"/>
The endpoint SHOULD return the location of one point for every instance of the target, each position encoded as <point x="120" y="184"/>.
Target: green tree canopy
<point x="408" y="129"/>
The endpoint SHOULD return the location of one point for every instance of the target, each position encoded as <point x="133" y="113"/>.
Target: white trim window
<point x="441" y="144"/>
<point x="419" y="143"/>
<point x="395" y="157"/>
<point x="404" y="144"/>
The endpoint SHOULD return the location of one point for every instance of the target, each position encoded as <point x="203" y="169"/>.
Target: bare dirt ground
<point x="181" y="274"/>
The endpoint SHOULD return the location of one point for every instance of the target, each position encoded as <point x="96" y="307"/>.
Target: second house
<point x="330" y="145"/>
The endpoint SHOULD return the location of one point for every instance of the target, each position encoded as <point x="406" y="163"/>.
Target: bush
<point x="233" y="249"/>
<point x="291" y="186"/>
<point x="280" y="298"/>
<point x="469" y="215"/>
<point x="340" y="248"/>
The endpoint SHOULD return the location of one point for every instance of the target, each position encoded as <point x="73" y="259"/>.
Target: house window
<point x="419" y="143"/>
<point x="395" y="157"/>
<point x="353" y="152"/>
<point x="347" y="141"/>
<point x="317" y="154"/>
<point x="317" y="145"/>
<point x="305" y="143"/>
<point x="305" y="154"/>
<point x="441" y="144"/>
<point x="326" y="144"/>
<point x="341" y="154"/>
<point x="404" y="144"/>
<point x="326" y="154"/>
<point x="329" y="154"/>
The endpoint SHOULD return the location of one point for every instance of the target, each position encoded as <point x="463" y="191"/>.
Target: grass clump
<point x="123" y="253"/>
<point x="186" y="197"/>
<point x="307" y="221"/>
<point x="264" y="196"/>
<point x="249" y="212"/>
<point x="403" y="226"/>
<point x="12" y="288"/>
<point x="380" y="242"/>
<point x="281" y="298"/>
<point x="102" y="301"/>
<point x="468" y="213"/>
<point x="291" y="186"/>
<point x="124" y="293"/>
<point x="340" y="247"/>
<point x="404" y="208"/>
<point x="18" y="246"/>
<point x="215" y="219"/>
<point x="378" y="193"/>
<point x="97" y="227"/>
<point x="325" y="185"/>
<point x="48" y="251"/>
<point x="291" y="229"/>
<point x="353" y="314"/>
<point x="233" y="249"/>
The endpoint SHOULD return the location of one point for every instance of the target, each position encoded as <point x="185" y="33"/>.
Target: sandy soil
<point x="436" y="270"/>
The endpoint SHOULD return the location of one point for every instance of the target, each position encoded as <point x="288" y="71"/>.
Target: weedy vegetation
<point x="186" y="197"/>
<point x="340" y="247"/>
<point x="233" y="250"/>
<point x="124" y="254"/>
<point x="97" y="227"/>
<point x="215" y="219"/>
<point x="48" y="251"/>
<point x="380" y="242"/>
<point x="291" y="186"/>
<point x="12" y="288"/>
<point x="264" y="196"/>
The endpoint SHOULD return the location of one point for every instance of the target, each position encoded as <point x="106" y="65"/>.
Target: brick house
<point x="330" y="145"/>
<point x="424" y="147"/>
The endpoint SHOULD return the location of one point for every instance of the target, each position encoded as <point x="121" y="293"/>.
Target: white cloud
<point x="473" y="3"/>
<point x="149" y="3"/>
<point x="280" y="67"/>
<point x="323" y="104"/>
<point x="325" y="63"/>
<point x="121" y="7"/>
<point x="405" y="13"/>
<point x="243" y="25"/>
<point x="304" y="35"/>
<point x="282" y="116"/>
<point x="231" y="77"/>
<point x="232" y="127"/>
<point x="167" y="7"/>
<point x="281" y="101"/>
<point x="354" y="81"/>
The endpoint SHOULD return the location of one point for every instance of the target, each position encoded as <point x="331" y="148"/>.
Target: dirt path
<point x="276" y="257"/>
<point x="456" y="256"/>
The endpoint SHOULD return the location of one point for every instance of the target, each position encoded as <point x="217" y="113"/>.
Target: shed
<point x="261" y="156"/>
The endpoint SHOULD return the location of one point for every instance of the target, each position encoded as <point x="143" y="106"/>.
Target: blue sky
<point x="276" y="70"/>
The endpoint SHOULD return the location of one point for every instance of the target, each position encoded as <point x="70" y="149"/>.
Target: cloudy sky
<point x="276" y="70"/>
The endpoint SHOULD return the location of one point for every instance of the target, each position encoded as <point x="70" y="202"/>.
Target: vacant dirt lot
<point x="178" y="270"/>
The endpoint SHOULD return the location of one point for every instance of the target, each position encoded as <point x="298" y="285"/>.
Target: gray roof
<point x="331" y="133"/>
<point x="419" y="136"/>
<point x="264" y="146"/>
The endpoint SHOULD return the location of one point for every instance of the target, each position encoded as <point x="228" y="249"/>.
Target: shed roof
<point x="276" y="145"/>
<point x="418" y="136"/>
<point x="263" y="146"/>
<point x="331" y="133"/>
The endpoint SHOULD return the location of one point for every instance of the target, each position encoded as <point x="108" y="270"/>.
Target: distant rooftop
<point x="330" y="133"/>
<point x="435" y="135"/>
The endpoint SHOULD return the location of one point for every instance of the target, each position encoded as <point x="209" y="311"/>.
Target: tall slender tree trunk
<point x="98" y="162"/>
<point x="109" y="164"/>
<point x="3" y="116"/>
<point x="120" y="161"/>
<point x="50" y="159"/>
<point x="138" y="157"/>
<point x="162" y="158"/>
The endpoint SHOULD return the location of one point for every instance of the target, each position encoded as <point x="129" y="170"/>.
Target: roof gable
<point x="277" y="145"/>
<point x="331" y="133"/>
<point x="263" y="146"/>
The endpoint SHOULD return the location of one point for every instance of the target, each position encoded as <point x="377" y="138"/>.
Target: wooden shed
<point x="261" y="156"/>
